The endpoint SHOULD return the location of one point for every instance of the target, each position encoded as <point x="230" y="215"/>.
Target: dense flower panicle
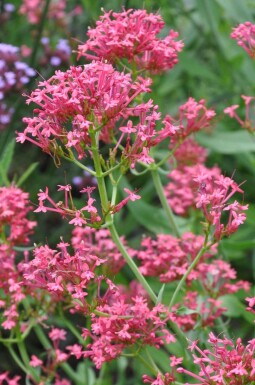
<point x="245" y="36"/>
<point x="225" y="363"/>
<point x="248" y="122"/>
<point x="189" y="153"/>
<point x="213" y="195"/>
<point x="204" y="308"/>
<point x="57" y="56"/>
<point x="193" y="116"/>
<point x="168" y="257"/>
<point x="128" y="325"/>
<point x="132" y="35"/>
<point x="14" y="207"/>
<point x="100" y="243"/>
<point x="82" y="100"/>
<point x="68" y="277"/>
<point x="182" y="190"/>
<point x="15" y="229"/>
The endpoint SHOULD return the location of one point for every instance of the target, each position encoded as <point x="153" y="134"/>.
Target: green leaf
<point x="153" y="219"/>
<point x="5" y="162"/>
<point x="234" y="307"/>
<point x="228" y="142"/>
<point x="26" y="174"/>
<point x="160" y="294"/>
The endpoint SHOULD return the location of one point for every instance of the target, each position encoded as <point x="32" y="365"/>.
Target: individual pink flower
<point x="245" y="35"/>
<point x="132" y="35"/>
<point x="251" y="304"/>
<point x="35" y="361"/>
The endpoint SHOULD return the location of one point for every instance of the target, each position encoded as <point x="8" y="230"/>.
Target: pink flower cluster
<point x="203" y="307"/>
<point x="248" y="122"/>
<point x="212" y="199"/>
<point x="86" y="215"/>
<point x="182" y="190"/>
<point x="15" y="230"/>
<point x="225" y="363"/>
<point x="245" y="36"/>
<point x="193" y="116"/>
<point x="14" y="207"/>
<point x="132" y="35"/>
<point x="168" y="257"/>
<point x="73" y="105"/>
<point x="100" y="243"/>
<point x="33" y="9"/>
<point x="62" y="274"/>
<point x="129" y="324"/>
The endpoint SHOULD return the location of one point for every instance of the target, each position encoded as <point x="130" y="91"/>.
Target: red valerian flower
<point x="225" y="363"/>
<point x="132" y="35"/>
<point x="245" y="36"/>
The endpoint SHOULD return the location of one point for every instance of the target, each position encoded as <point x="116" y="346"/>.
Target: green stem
<point x="183" y="279"/>
<point x="164" y="202"/>
<point x="17" y="360"/>
<point x="147" y="365"/>
<point x="131" y="263"/>
<point x="111" y="227"/>
<point x="79" y="164"/>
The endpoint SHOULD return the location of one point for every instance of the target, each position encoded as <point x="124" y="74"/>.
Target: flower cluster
<point x="245" y="36"/>
<point x="33" y="10"/>
<point x="202" y="306"/>
<point x="248" y="122"/>
<point x="100" y="243"/>
<point x="193" y="116"/>
<point x="168" y="257"/>
<point x="76" y="104"/>
<point x="225" y="364"/>
<point x="86" y="215"/>
<point x="182" y="190"/>
<point x="132" y="35"/>
<point x="65" y="276"/>
<point x="57" y="56"/>
<point x="14" y="75"/>
<point x="128" y="324"/>
<point x="15" y="230"/>
<point x="212" y="198"/>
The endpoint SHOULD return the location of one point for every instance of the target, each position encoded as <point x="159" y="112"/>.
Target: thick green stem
<point x="164" y="202"/>
<point x="183" y="279"/>
<point x="17" y="360"/>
